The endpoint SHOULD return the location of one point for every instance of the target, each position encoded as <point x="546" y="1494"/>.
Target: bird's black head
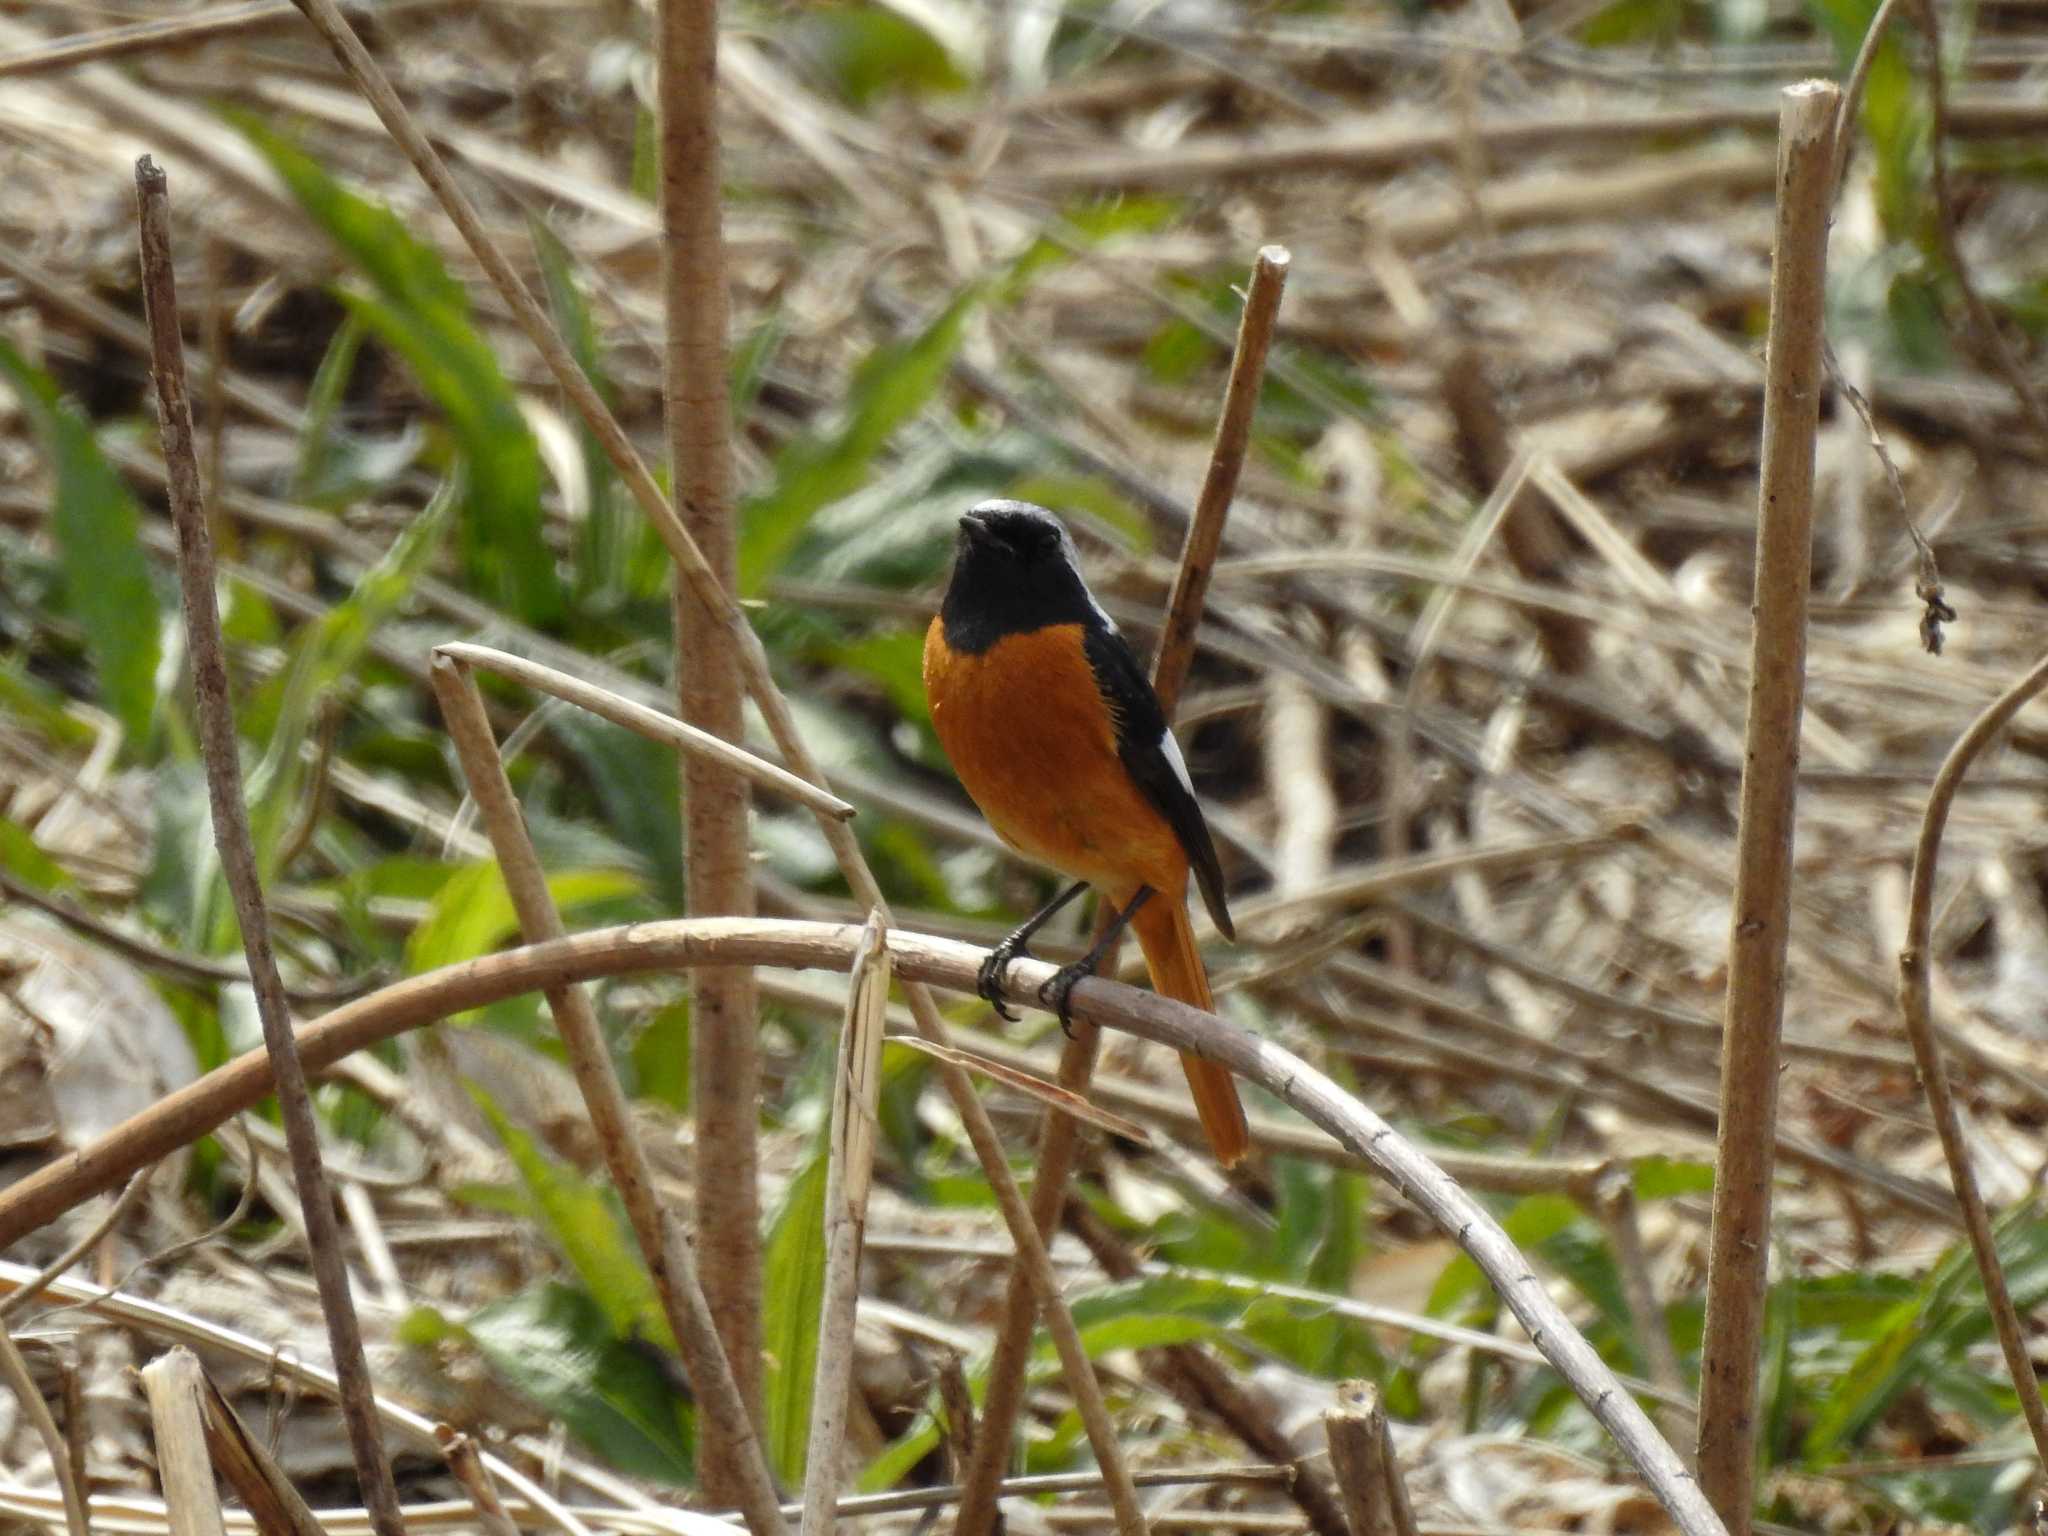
<point x="1016" y="571"/>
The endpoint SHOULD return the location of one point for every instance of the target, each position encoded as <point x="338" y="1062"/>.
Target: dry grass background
<point x="1481" y="620"/>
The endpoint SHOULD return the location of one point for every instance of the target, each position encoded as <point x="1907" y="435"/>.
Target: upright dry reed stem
<point x="1760" y="922"/>
<point x="856" y="1088"/>
<point x="222" y="753"/>
<point x="1058" y="1136"/>
<point x="670" y="1261"/>
<point x="725" y="1067"/>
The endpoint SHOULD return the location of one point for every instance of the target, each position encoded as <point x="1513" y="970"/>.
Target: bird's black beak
<point x="973" y="530"/>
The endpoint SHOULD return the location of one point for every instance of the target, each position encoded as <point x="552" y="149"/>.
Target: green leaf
<point x="28" y="701"/>
<point x="867" y="50"/>
<point x="554" y="1345"/>
<point x="661" y="1057"/>
<point x="583" y="1220"/>
<point x="106" y="579"/>
<point x="422" y="314"/>
<point x="613" y="530"/>
<point x="891" y="387"/>
<point x="472" y="913"/>
<point x="325" y="654"/>
<point x="1664" y="1178"/>
<point x="21" y="858"/>
<point x="792" y="1301"/>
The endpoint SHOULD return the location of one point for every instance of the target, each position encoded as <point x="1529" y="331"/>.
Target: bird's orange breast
<point x="1033" y="742"/>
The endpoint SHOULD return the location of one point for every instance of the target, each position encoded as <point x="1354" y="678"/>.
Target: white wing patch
<point x="1171" y="748"/>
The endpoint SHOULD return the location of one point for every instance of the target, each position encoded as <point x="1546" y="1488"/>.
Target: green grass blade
<point x="106" y="579"/>
<point x="792" y="1300"/>
<point x="890" y="388"/>
<point x="583" y="1220"/>
<point x="422" y="314"/>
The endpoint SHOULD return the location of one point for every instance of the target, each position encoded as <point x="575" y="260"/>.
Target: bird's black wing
<point x="1149" y="754"/>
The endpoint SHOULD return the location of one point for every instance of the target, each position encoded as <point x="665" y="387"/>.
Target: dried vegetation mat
<point x="1467" y="711"/>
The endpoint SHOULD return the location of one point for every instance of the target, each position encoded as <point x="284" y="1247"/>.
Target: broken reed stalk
<point x="649" y="723"/>
<point x="1760" y="921"/>
<point x="221" y="751"/>
<point x="355" y="60"/>
<point x="725" y="1053"/>
<point x="1362" y="1455"/>
<point x="856" y="1090"/>
<point x="1915" y="1002"/>
<point x="87" y="1241"/>
<point x="920" y="961"/>
<point x="248" y="1467"/>
<point x="14" y="1373"/>
<point x="158" y="1321"/>
<point x="173" y="1384"/>
<point x="468" y="1469"/>
<point x="1058" y="1135"/>
<point x="670" y="1261"/>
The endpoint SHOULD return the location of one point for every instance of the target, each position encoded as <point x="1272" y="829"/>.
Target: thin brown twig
<point x="10" y="1305"/>
<point x="1760" y="919"/>
<point x="468" y="1469"/>
<point x="1989" y="337"/>
<point x="1927" y="586"/>
<point x="1059" y="1136"/>
<point x="655" y="947"/>
<point x="221" y="751"/>
<point x="1915" y="1002"/>
<point x="725" y="1067"/>
<point x="1615" y="1200"/>
<point x="670" y="1261"/>
<point x="249" y="1468"/>
<point x="15" y="1373"/>
<point x="775" y="712"/>
<point x="155" y="957"/>
<point x="1852" y="93"/>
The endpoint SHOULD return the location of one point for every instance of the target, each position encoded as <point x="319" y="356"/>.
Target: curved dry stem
<point x="642" y="948"/>
<point x="1915" y="1002"/>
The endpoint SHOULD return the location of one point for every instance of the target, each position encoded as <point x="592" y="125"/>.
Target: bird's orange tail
<point x="1168" y="940"/>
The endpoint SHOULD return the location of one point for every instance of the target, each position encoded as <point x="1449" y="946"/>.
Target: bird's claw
<point x="1058" y="992"/>
<point x="988" y="983"/>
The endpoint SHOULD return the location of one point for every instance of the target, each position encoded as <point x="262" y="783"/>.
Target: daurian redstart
<point x="1054" y="729"/>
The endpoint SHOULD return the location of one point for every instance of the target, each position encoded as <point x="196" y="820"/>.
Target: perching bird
<point x="1058" y="736"/>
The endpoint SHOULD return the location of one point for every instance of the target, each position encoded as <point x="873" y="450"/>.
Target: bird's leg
<point x="1057" y="993"/>
<point x="989" y="982"/>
